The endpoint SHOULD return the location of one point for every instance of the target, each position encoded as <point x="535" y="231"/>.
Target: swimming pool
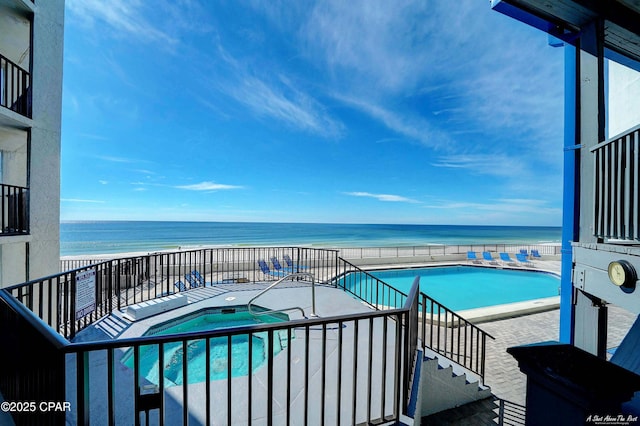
<point x="208" y="319"/>
<point x="469" y="287"/>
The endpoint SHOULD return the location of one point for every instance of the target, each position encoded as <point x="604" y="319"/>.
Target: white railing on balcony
<point x="616" y="184"/>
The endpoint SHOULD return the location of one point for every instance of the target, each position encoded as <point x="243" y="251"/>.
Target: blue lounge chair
<point x="523" y="259"/>
<point x="265" y="270"/>
<point x="291" y="265"/>
<point x="507" y="259"/>
<point x="193" y="282"/>
<point x="277" y="266"/>
<point x="535" y="253"/>
<point x="471" y="255"/>
<point x="524" y="252"/>
<point x="199" y="278"/>
<point x="180" y="286"/>
<point x="487" y="256"/>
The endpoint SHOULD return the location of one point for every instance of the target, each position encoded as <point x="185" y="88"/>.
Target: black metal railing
<point x="24" y="378"/>
<point x="442" y="330"/>
<point x="616" y="206"/>
<point x="218" y="264"/>
<point x="367" y="287"/>
<point x="411" y="330"/>
<point x="350" y="368"/>
<point x="126" y="281"/>
<point x="360" y="383"/>
<point x="147" y="277"/>
<point x="15" y="87"/>
<point x="355" y="368"/>
<point x="450" y="335"/>
<point x="14" y="210"/>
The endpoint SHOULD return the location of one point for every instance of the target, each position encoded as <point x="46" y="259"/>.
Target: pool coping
<point x="510" y="310"/>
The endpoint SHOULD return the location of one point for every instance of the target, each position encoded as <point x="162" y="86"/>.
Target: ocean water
<point x="105" y="237"/>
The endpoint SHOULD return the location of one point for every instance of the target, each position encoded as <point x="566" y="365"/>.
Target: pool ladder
<point x="287" y="278"/>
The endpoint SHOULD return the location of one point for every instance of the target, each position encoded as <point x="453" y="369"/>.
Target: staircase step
<point x="447" y="385"/>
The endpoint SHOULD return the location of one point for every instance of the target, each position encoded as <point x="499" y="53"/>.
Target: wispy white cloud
<point x="370" y="43"/>
<point x="414" y="128"/>
<point x="474" y="83"/>
<point x="70" y="102"/>
<point x="485" y="164"/>
<point x="103" y="182"/>
<point x="268" y="94"/>
<point x="93" y="136"/>
<point x="114" y="159"/>
<point x="113" y="106"/>
<point x="505" y="206"/>
<point x="208" y="186"/>
<point x="383" y="197"/>
<point x="126" y="17"/>
<point x="144" y="171"/>
<point x="79" y="200"/>
<point x="282" y="101"/>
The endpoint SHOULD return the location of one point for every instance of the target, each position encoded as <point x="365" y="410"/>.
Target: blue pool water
<point x="208" y="319"/>
<point x="468" y="287"/>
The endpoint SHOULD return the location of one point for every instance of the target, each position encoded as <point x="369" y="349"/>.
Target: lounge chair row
<point x="505" y="258"/>
<point x="278" y="269"/>
<point x="534" y="253"/>
<point x="195" y="280"/>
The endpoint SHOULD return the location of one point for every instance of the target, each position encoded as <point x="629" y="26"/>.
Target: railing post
<point x="397" y="391"/>
<point x="71" y="314"/>
<point x="82" y="388"/>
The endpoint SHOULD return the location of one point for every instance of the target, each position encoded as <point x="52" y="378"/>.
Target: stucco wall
<point x="45" y="138"/>
<point x="34" y="162"/>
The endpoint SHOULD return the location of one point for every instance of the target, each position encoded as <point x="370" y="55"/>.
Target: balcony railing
<point x="442" y="330"/>
<point x="15" y="87"/>
<point x="347" y="369"/>
<point x="14" y="210"/>
<point x="617" y="184"/>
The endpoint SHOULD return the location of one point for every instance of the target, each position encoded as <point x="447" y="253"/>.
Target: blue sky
<point x="425" y="112"/>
